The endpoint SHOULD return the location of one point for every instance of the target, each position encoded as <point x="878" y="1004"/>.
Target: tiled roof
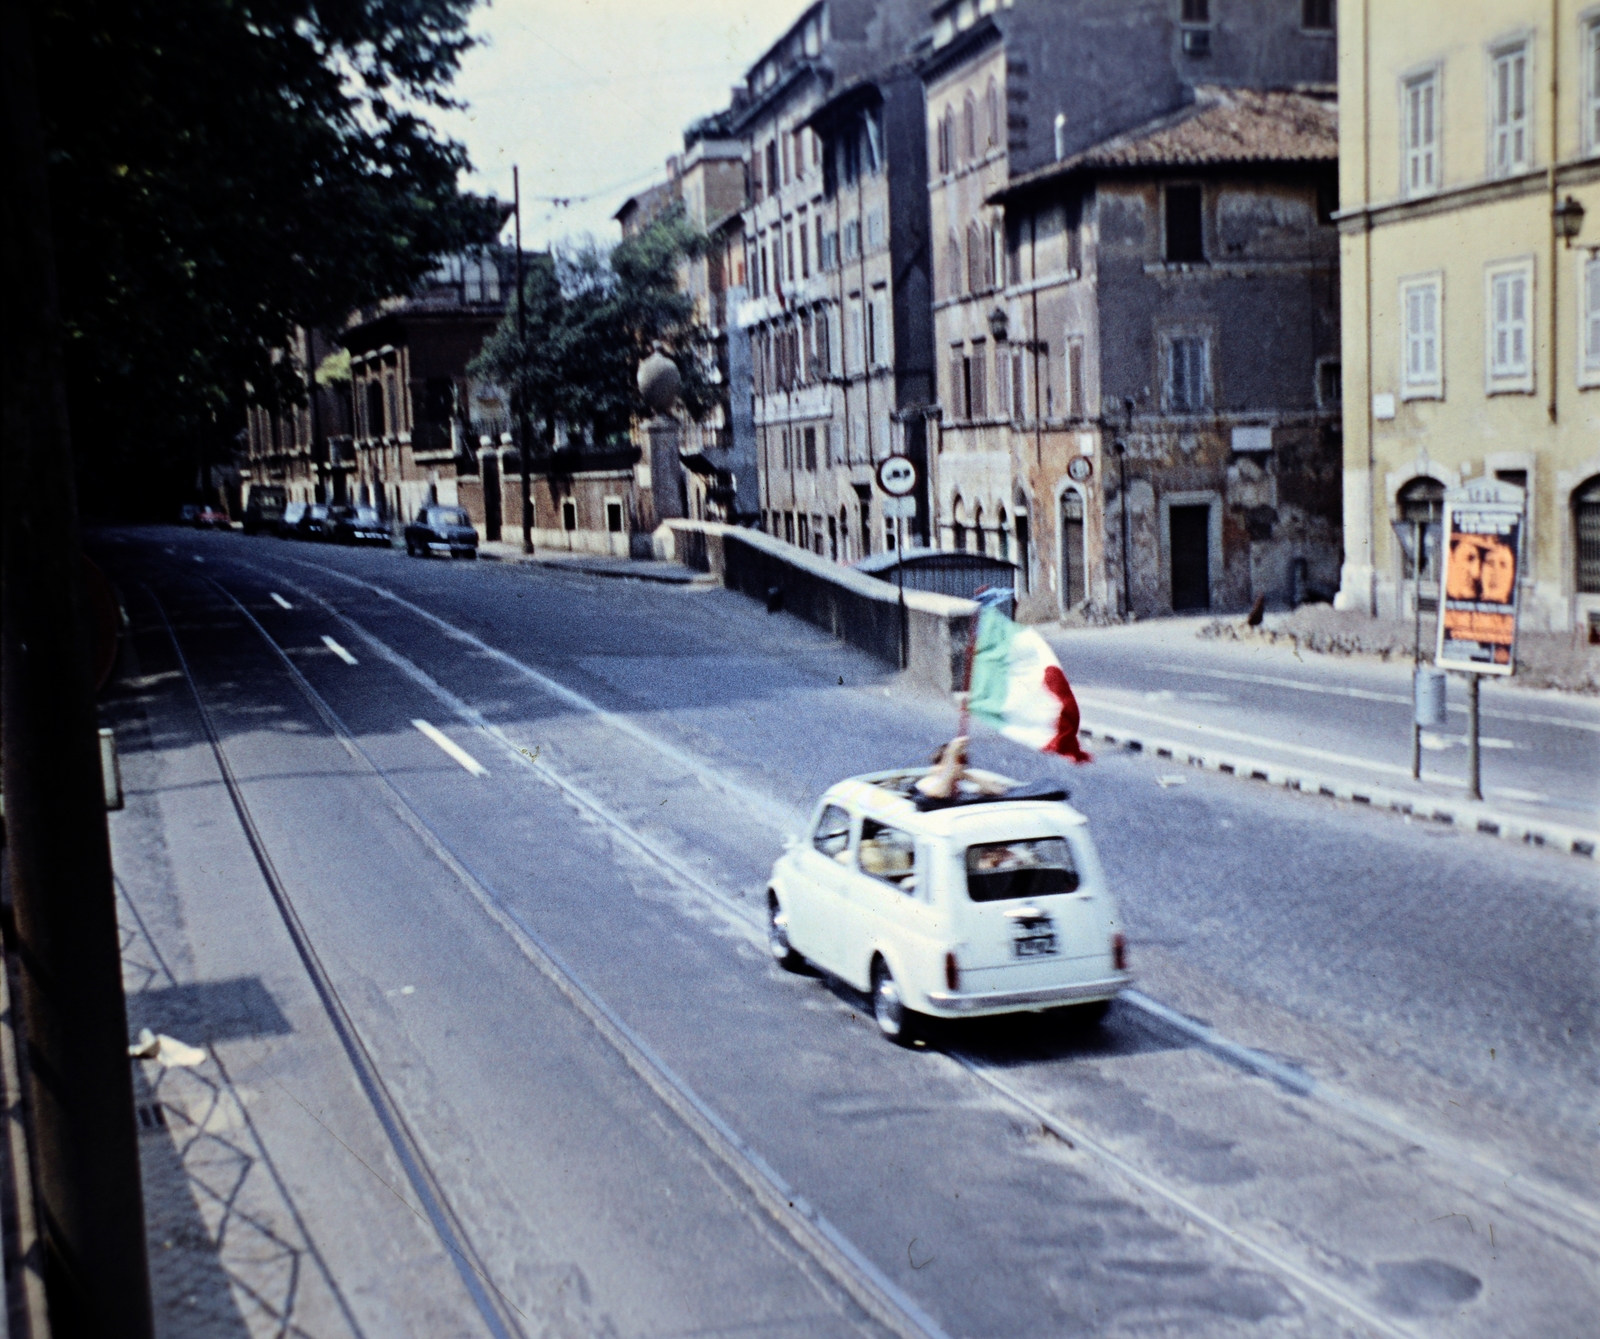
<point x="1221" y="126"/>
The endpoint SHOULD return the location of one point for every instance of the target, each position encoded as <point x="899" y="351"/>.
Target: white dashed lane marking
<point x="455" y="750"/>
<point x="282" y="603"/>
<point x="338" y="650"/>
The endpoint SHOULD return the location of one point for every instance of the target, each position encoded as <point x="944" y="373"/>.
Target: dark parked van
<point x="264" y="509"/>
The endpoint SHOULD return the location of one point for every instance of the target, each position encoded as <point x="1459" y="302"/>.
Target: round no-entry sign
<point x="897" y="476"/>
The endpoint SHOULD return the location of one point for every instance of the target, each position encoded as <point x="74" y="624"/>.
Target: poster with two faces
<point x="1483" y="528"/>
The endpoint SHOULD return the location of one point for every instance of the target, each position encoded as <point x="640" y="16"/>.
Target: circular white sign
<point x="897" y="476"/>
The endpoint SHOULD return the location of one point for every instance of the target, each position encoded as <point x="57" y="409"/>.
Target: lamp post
<point x="522" y="344"/>
<point x="1567" y="220"/>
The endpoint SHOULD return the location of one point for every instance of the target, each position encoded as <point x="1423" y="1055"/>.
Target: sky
<point x="588" y="97"/>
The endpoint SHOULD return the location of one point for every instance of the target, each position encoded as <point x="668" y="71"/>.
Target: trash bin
<point x="1429" y="689"/>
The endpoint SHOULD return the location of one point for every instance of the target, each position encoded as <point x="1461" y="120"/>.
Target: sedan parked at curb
<point x="210" y="518"/>
<point x="446" y="530"/>
<point x="289" y="524"/>
<point x="359" y="525"/>
<point x="319" y="521"/>
<point x="991" y="903"/>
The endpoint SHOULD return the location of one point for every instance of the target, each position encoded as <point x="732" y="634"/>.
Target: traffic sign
<point x="897" y="475"/>
<point x="900" y="508"/>
<point x="1079" y="468"/>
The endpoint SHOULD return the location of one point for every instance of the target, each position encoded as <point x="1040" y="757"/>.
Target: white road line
<point x="776" y="814"/>
<point x="339" y="650"/>
<point x="450" y="746"/>
<point x="1367" y="695"/>
<point x="1094" y="703"/>
<point x="282" y="603"/>
<point x="197" y="557"/>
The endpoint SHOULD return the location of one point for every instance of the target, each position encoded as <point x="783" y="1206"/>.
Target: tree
<point x="222" y="171"/>
<point x="591" y="318"/>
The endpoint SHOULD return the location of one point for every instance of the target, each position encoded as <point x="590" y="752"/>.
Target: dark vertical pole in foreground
<point x="1122" y="490"/>
<point x="65" y="929"/>
<point x="1416" y="650"/>
<point x="1474" y="770"/>
<point x="522" y="344"/>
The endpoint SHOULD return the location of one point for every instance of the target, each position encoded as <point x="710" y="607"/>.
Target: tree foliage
<point x="591" y="317"/>
<point x="222" y="171"/>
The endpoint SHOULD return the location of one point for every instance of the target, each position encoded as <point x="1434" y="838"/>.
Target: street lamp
<point x="999" y="327"/>
<point x="1567" y="218"/>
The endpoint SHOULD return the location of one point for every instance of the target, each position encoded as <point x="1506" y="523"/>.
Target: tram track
<point x="1538" y="1204"/>
<point x="1569" y="1219"/>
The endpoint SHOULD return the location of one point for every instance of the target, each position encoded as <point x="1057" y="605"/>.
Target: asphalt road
<point x="508" y="1038"/>
<point x="1337" y="715"/>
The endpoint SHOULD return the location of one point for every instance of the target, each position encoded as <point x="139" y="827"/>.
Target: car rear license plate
<point x="1035" y="944"/>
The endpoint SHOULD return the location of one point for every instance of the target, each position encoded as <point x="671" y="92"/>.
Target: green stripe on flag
<point x="991" y="666"/>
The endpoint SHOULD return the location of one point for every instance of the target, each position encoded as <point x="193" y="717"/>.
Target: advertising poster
<point x="1482" y="555"/>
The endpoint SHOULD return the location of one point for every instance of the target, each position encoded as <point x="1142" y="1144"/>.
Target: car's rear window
<point x="1036" y="867"/>
<point x="366" y="515"/>
<point x="448" y="516"/>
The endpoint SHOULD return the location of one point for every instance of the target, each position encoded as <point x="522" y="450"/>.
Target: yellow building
<point x="1469" y="149"/>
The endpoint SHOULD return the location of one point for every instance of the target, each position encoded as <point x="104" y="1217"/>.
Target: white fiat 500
<point x="992" y="904"/>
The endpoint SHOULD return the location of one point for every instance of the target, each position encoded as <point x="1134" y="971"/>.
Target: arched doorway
<point x="1073" y="574"/>
<point x="1420" y="501"/>
<point x="1586" y="533"/>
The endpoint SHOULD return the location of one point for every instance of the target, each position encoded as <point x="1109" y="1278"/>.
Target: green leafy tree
<point x="222" y="171"/>
<point x="591" y="317"/>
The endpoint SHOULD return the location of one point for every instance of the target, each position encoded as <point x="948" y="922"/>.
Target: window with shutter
<point x="1509" y="112"/>
<point x="1188" y="374"/>
<point x="1420" y="306"/>
<point x="1421" y="135"/>
<point x="1509" y="320"/>
<point x="1591" y="313"/>
<point x="980" y="379"/>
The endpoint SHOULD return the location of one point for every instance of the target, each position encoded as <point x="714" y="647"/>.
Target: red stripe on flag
<point x="1066" y="739"/>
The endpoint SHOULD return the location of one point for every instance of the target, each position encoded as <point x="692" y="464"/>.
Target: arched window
<point x="844" y="533"/>
<point x="969" y="129"/>
<point x="1586" y="530"/>
<point x="977" y="529"/>
<point x="1420" y="500"/>
<point x="958" y="524"/>
<point x="974" y="258"/>
<point x="992" y="109"/>
<point x="953" y="263"/>
<point x="947" y="141"/>
<point x="1002" y="536"/>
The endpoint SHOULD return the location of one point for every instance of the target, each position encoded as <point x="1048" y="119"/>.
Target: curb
<point x="1468" y="815"/>
<point x="686" y="578"/>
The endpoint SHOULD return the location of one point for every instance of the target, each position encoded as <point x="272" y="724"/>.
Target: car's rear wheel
<point x="898" y="1023"/>
<point x="778" y="938"/>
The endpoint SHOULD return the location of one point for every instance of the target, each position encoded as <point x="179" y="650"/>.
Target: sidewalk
<point x="1339" y="726"/>
<point x="597" y="564"/>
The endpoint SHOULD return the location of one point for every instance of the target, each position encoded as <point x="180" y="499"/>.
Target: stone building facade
<point x="1015" y="88"/>
<point x="836" y="269"/>
<point x="1185" y="276"/>
<point x="305" y="449"/>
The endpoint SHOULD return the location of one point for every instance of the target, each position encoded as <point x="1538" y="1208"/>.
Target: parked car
<point x="318" y="522"/>
<point x="187" y="513"/>
<point x="989" y="904"/>
<point x="264" y="509"/>
<point x="445" y="530"/>
<point x="288" y="526"/>
<point x="212" y="519"/>
<point x="360" y="525"/>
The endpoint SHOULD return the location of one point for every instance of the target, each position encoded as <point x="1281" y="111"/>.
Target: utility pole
<point x="516" y="393"/>
<point x="62" y="937"/>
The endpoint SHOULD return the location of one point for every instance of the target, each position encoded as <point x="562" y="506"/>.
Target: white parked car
<point x="992" y="904"/>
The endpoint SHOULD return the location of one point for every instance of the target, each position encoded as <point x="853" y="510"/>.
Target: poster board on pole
<point x="1479" y="578"/>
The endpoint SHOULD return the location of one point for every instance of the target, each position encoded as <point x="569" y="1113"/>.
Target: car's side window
<point x="889" y="854"/>
<point x="832" y="836"/>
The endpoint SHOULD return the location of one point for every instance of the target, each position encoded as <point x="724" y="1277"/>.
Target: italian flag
<point x="1018" y="687"/>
